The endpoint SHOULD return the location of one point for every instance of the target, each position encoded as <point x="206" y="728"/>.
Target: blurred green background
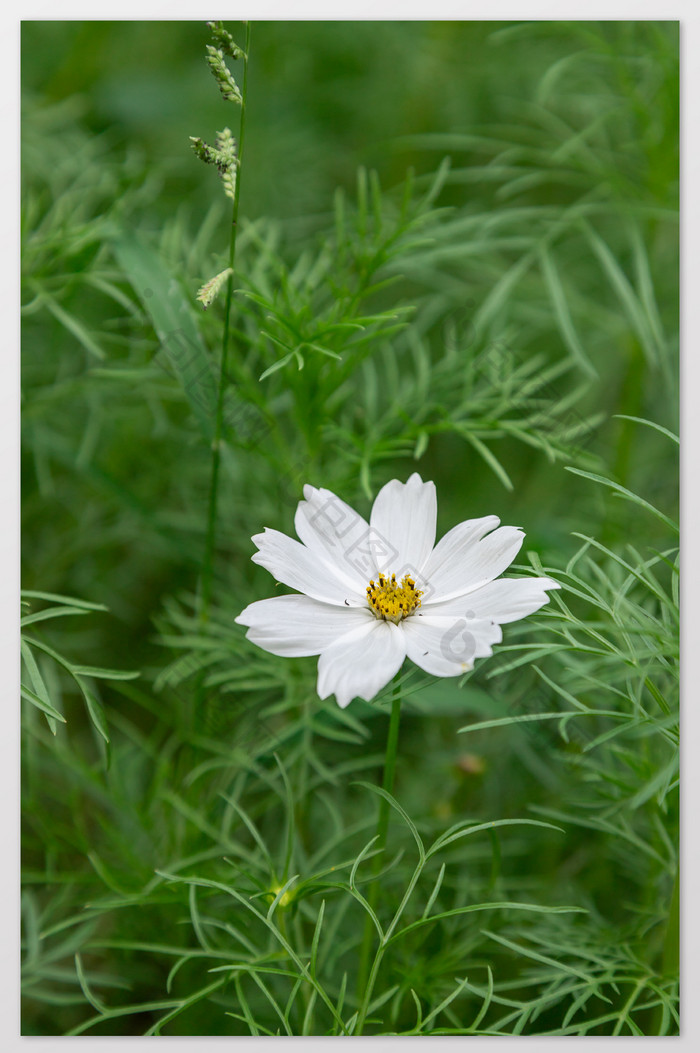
<point x="325" y="97"/>
<point x="554" y="242"/>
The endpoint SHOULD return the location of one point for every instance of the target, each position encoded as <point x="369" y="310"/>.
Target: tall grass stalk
<point x="213" y="504"/>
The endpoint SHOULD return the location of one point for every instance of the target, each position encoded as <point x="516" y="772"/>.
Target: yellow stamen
<point x="393" y="602"/>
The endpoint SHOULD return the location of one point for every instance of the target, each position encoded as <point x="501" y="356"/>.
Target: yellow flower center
<point x="393" y="602"/>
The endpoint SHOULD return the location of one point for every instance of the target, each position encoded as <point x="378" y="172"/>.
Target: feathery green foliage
<point x="477" y="280"/>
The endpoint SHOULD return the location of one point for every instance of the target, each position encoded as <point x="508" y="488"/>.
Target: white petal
<point x="447" y="646"/>
<point x="297" y="626"/>
<point x="295" y="565"/>
<point x="335" y="533"/>
<point x="361" y="663"/>
<point x="505" y="600"/>
<point x="404" y="517"/>
<point x="464" y="560"/>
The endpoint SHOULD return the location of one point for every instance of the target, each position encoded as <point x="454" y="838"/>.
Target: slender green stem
<point x="389" y="769"/>
<point x="208" y="563"/>
<point x="382" y="827"/>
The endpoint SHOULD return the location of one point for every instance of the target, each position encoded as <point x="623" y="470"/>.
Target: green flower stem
<point x="208" y="563"/>
<point x="389" y="769"/>
<point x="382" y="827"/>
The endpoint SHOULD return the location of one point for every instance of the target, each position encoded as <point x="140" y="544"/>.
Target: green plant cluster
<point x="489" y="299"/>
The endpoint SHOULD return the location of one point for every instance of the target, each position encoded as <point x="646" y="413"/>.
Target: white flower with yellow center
<point x="376" y="593"/>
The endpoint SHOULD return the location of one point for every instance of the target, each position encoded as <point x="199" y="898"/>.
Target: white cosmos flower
<point x="376" y="593"/>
